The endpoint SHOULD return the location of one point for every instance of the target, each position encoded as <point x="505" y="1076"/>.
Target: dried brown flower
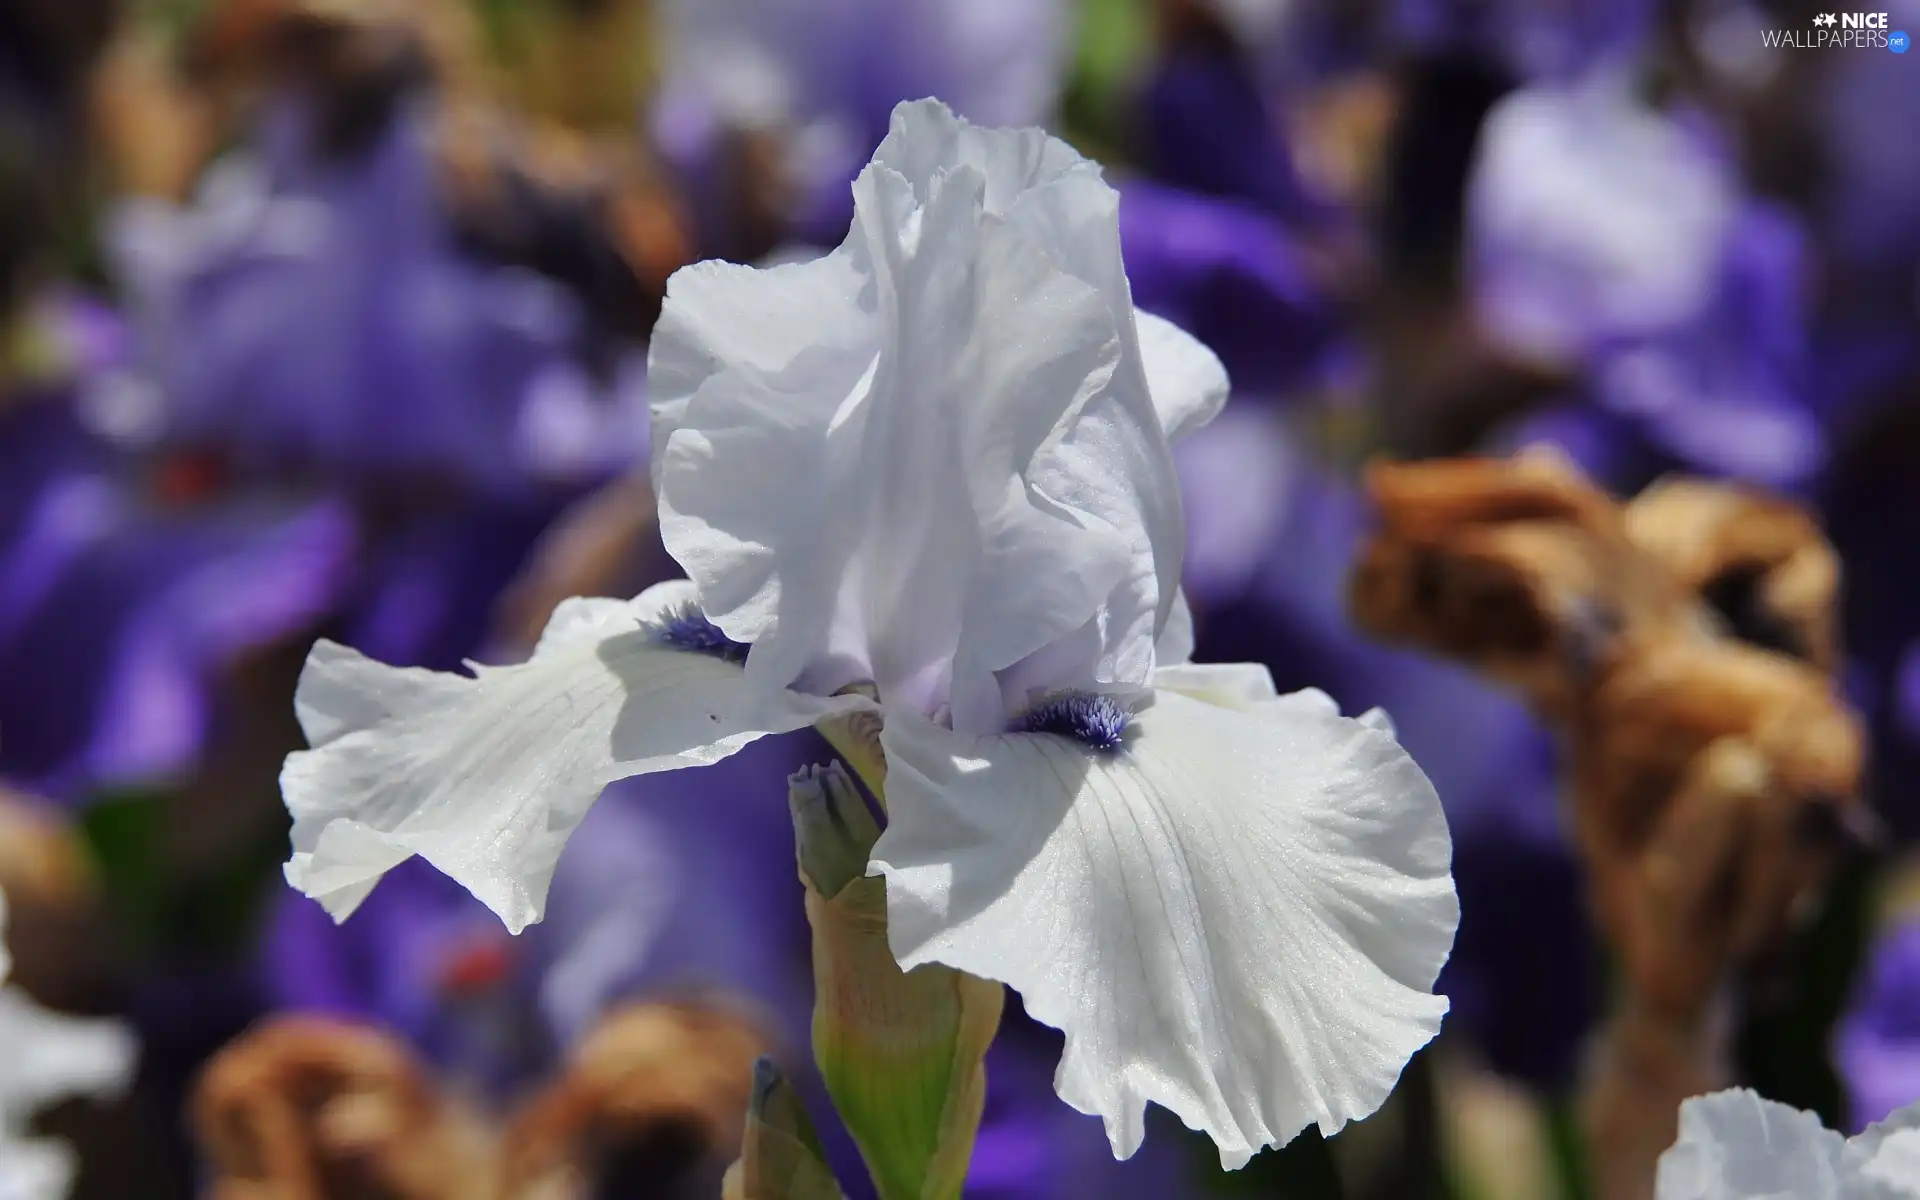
<point x="1759" y="561"/>
<point x="656" y="1095"/>
<point x="1683" y="646"/>
<point x="307" y="1108"/>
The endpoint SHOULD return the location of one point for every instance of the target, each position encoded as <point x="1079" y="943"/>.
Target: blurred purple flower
<point x="316" y="315"/>
<point x="1536" y="41"/>
<point x="1611" y="240"/>
<point x="1877" y="1043"/>
<point x="826" y="75"/>
<point x="118" y="618"/>
<point x="1235" y="278"/>
<point x="1205" y="125"/>
<point x="1867" y="207"/>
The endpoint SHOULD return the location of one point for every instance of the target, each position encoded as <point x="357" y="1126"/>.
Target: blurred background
<point x="329" y="317"/>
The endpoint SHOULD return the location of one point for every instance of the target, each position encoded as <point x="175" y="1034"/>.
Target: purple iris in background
<point x="1877" y="1045"/>
<point x="1535" y="41"/>
<point x="1236" y="279"/>
<point x="1207" y="124"/>
<point x="1611" y="241"/>
<point x="314" y="316"/>
<point x="825" y="75"/>
<point x="120" y="615"/>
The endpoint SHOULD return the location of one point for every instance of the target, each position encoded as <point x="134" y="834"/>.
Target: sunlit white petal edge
<point x="1735" y="1144"/>
<point x="486" y="776"/>
<point x="1239" y="915"/>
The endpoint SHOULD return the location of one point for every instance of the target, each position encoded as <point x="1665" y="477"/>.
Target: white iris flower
<point x="1736" y="1146"/>
<point x="46" y="1057"/>
<point x="935" y="463"/>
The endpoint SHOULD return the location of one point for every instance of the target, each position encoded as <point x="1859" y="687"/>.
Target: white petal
<point x="591" y="618"/>
<point x="764" y="321"/>
<point x="1379" y="718"/>
<point x="1239" y="916"/>
<point x="1175" y="643"/>
<point x="46" y="1056"/>
<point x="855" y="490"/>
<point x="1187" y="380"/>
<point x="36" y="1169"/>
<point x="1735" y="1144"/>
<point x="1886" y="1156"/>
<point x="485" y="777"/>
<point x="1112" y="464"/>
<point x="1230" y="685"/>
<point x="1249" y="686"/>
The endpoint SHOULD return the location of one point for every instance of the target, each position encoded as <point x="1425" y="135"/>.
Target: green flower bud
<point x="902" y="1052"/>
<point x="780" y="1156"/>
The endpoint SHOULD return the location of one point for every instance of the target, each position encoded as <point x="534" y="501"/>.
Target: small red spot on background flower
<point x="189" y="477"/>
<point x="476" y="967"/>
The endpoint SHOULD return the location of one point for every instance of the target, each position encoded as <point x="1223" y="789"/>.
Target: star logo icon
<point x="1827" y="19"/>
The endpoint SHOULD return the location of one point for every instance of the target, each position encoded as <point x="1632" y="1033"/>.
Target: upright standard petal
<point x="485" y="777"/>
<point x="1238" y="913"/>
<point x="938" y="451"/>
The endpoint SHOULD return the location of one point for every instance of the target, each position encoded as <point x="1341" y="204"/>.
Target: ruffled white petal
<point x="1239" y="916"/>
<point x="1735" y="1145"/>
<point x="800" y="321"/>
<point x="485" y="777"/>
<point x="934" y="459"/>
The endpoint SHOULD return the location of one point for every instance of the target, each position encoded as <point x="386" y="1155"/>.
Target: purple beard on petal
<point x="687" y="628"/>
<point x="1096" y="721"/>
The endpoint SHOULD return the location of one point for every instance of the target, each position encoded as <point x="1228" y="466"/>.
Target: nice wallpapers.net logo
<point x="1841" y="31"/>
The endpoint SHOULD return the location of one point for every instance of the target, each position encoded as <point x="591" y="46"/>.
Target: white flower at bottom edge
<point x="46" y="1057"/>
<point x="1734" y="1145"/>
